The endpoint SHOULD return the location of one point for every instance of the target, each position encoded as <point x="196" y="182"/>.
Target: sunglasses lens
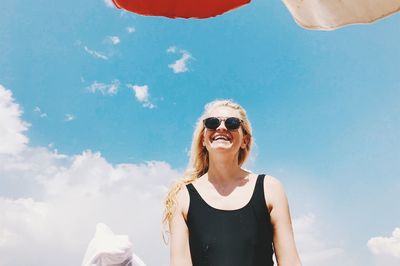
<point x="212" y="123"/>
<point x="232" y="123"/>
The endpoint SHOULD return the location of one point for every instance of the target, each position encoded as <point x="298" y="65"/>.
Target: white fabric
<point x="108" y="249"/>
<point x="332" y="14"/>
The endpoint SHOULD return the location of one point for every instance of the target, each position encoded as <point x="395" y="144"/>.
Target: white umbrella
<point x="333" y="14"/>
<point x="106" y="249"/>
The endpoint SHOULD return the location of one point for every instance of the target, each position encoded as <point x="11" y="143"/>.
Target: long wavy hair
<point x="199" y="160"/>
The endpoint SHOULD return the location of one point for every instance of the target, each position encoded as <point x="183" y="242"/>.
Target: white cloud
<point x="52" y="217"/>
<point x="180" y="65"/>
<point x="76" y="193"/>
<point x="109" y="3"/>
<point x="114" y="39"/>
<point x="312" y="246"/>
<point x="95" y="54"/>
<point x="171" y="49"/>
<point x="142" y="95"/>
<point x="386" y="249"/>
<point x="69" y="117"/>
<point x="12" y="128"/>
<point x="12" y="222"/>
<point x="38" y="111"/>
<point x="130" y="29"/>
<point x="105" y="89"/>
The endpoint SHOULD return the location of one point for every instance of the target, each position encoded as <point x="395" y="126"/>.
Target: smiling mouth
<point x="224" y="138"/>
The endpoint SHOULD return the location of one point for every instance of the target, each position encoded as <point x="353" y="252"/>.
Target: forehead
<point x="223" y="111"/>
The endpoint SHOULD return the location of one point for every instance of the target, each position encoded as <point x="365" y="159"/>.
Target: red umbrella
<point x="180" y="8"/>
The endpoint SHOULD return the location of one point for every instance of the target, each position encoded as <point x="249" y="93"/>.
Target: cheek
<point x="204" y="137"/>
<point x="243" y="139"/>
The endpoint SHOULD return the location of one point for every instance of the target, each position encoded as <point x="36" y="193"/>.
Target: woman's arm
<point x="179" y="234"/>
<point x="284" y="244"/>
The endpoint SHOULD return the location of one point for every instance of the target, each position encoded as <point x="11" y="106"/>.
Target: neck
<point x="224" y="169"/>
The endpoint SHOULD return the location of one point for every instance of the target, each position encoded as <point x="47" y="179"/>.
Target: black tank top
<point x="241" y="237"/>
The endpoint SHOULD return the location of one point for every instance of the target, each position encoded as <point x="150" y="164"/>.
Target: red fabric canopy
<point x="180" y="8"/>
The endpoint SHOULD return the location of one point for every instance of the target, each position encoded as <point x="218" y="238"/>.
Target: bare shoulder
<point x="274" y="191"/>
<point x="272" y="183"/>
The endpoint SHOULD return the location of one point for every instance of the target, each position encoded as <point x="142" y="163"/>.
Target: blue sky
<point x="323" y="105"/>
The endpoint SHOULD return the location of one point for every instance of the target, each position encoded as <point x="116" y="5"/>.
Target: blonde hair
<point x="198" y="163"/>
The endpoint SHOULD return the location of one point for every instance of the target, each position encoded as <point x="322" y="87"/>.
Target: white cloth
<point x="108" y="249"/>
<point x="332" y="14"/>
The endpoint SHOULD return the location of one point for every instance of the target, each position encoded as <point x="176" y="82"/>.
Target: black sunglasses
<point x="231" y="123"/>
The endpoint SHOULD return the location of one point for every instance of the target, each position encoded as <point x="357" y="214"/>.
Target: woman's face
<point x="222" y="139"/>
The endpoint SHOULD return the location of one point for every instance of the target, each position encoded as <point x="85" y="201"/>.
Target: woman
<point x="221" y="214"/>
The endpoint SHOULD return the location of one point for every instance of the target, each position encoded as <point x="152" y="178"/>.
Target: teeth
<point x="221" y="137"/>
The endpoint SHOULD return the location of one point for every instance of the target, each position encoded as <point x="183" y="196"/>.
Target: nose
<point x="221" y="126"/>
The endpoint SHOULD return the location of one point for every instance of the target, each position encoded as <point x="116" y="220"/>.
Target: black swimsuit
<point x="241" y="237"/>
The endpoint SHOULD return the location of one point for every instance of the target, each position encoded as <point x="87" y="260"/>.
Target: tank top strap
<point x="193" y="194"/>
<point x="191" y="189"/>
<point x="259" y="189"/>
<point x="259" y="203"/>
<point x="197" y="203"/>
